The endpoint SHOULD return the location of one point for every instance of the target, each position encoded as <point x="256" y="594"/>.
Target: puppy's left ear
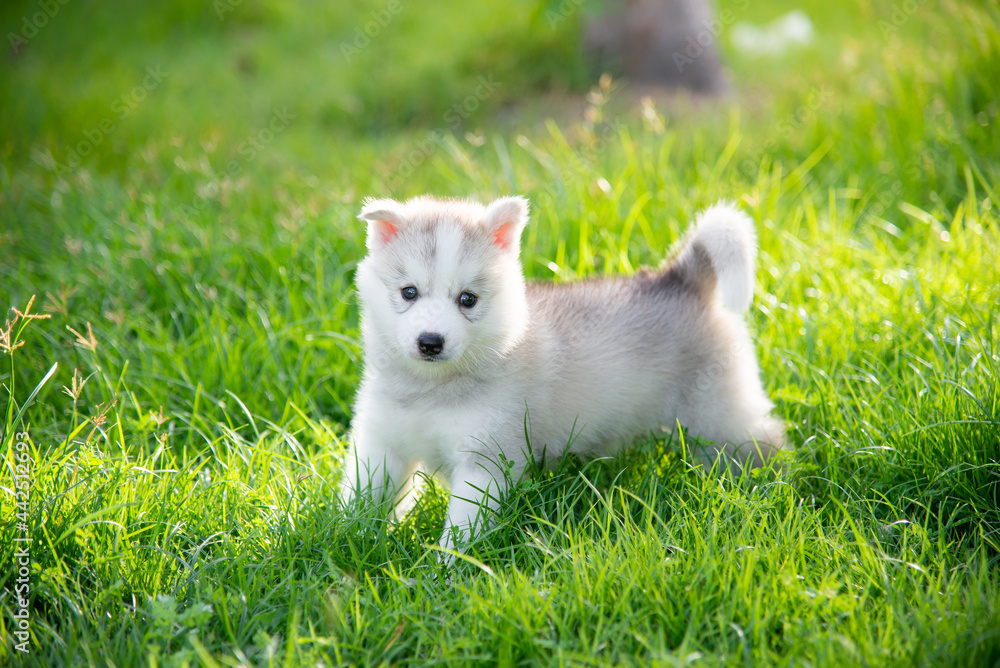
<point x="384" y="220"/>
<point x="504" y="220"/>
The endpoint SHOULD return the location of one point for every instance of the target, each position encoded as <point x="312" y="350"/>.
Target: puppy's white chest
<point x="435" y="435"/>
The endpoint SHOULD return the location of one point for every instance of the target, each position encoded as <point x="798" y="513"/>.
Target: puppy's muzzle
<point x="430" y="344"/>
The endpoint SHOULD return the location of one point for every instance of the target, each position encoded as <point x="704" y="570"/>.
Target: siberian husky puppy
<point x="470" y="371"/>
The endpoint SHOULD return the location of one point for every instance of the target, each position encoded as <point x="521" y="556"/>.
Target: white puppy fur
<point x="469" y="370"/>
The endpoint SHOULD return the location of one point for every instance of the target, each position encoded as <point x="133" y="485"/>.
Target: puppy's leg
<point x="371" y="469"/>
<point x="741" y="449"/>
<point x="408" y="491"/>
<point x="475" y="490"/>
<point x="767" y="439"/>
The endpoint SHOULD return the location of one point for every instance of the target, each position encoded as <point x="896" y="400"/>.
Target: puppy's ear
<point x="504" y="220"/>
<point x="384" y="221"/>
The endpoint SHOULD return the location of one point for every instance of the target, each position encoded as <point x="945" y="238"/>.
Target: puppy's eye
<point x="409" y="293"/>
<point x="467" y="299"/>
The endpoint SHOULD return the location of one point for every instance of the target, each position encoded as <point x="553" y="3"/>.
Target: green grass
<point x="197" y="273"/>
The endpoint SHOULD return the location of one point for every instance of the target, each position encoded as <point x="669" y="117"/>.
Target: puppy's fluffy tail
<point x="726" y="236"/>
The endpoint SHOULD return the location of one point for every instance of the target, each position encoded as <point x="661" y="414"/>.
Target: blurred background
<point x="97" y="83"/>
<point x="185" y="175"/>
<point x="179" y="184"/>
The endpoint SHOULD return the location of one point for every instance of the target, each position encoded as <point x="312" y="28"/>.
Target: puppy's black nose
<point x="430" y="344"/>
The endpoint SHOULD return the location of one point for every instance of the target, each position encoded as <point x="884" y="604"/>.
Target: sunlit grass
<point x="203" y="343"/>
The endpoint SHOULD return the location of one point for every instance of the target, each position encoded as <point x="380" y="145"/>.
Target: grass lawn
<point x="178" y="191"/>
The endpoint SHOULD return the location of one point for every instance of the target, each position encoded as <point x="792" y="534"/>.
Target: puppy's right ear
<point x="504" y="220"/>
<point x="384" y="221"/>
